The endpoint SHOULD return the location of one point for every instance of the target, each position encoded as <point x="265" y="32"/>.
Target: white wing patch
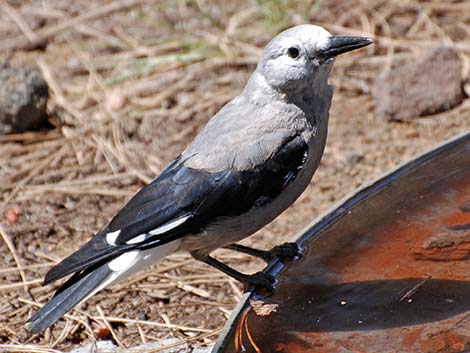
<point x="111" y="237"/>
<point x="123" y="261"/>
<point x="166" y="227"/>
<point x="137" y="239"/>
<point x="160" y="230"/>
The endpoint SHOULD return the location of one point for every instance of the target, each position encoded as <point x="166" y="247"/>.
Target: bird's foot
<point x="288" y="251"/>
<point x="260" y="279"/>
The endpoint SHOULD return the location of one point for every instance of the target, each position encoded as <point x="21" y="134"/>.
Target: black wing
<point x="196" y="197"/>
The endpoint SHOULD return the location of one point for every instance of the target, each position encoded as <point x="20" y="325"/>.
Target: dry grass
<point x="131" y="83"/>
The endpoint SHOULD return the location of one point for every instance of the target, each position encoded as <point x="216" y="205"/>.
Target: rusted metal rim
<point x="329" y="218"/>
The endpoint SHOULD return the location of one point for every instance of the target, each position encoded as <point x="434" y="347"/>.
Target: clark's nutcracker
<point x="248" y="164"/>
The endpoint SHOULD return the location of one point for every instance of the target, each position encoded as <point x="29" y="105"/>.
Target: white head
<point x="295" y="58"/>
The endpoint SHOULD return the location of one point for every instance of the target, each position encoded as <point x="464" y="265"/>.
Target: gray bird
<point x="251" y="161"/>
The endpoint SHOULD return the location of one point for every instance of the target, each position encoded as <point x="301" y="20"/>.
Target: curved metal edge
<point x="230" y="326"/>
<point x="327" y="218"/>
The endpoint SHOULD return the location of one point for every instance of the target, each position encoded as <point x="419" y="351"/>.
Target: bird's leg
<point x="283" y="251"/>
<point x="256" y="279"/>
<point x="262" y="254"/>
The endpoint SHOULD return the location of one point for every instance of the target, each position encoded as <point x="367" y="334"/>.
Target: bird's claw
<point x="261" y="279"/>
<point x="289" y="251"/>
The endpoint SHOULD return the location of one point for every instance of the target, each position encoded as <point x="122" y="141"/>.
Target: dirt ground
<point x="131" y="83"/>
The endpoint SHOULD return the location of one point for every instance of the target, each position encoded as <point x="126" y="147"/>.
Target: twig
<point x="237" y="293"/>
<point x="398" y="43"/>
<point x="46" y="33"/>
<point x="23" y="26"/>
<point x="413" y="290"/>
<point x="89" y="330"/>
<point x="76" y="190"/>
<point x="183" y="341"/>
<point x="388" y="31"/>
<point x="141" y="333"/>
<point x="151" y="323"/>
<point x="110" y="328"/>
<point x="57" y="91"/>
<point x="226" y="312"/>
<point x="36" y="136"/>
<point x="23" y="348"/>
<point x="65" y="332"/>
<point x="22" y="284"/>
<point x="101" y="35"/>
<point x="31" y="175"/>
<point x="28" y="267"/>
<point x="11" y="247"/>
<point x="166" y="320"/>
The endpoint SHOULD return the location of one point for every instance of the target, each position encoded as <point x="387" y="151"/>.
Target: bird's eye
<point x="293" y="52"/>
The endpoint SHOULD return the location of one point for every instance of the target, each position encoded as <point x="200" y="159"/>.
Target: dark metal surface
<point x="386" y="271"/>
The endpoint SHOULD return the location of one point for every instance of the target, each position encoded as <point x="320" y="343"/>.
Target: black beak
<point x="341" y="44"/>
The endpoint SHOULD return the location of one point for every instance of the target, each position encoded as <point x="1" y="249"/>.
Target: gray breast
<point x="228" y="230"/>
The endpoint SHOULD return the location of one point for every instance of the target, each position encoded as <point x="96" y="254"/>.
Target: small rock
<point x="11" y="215"/>
<point x="23" y="97"/>
<point x="428" y="85"/>
<point x="100" y="330"/>
<point x="445" y="246"/>
<point x="262" y="308"/>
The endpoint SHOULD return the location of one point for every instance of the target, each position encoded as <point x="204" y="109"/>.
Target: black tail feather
<point x="72" y="264"/>
<point x="76" y="289"/>
<point x="95" y="252"/>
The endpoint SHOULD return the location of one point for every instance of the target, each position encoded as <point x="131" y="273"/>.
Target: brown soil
<point x="131" y="84"/>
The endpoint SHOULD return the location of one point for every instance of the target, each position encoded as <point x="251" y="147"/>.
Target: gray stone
<point x="429" y="84"/>
<point x="23" y="98"/>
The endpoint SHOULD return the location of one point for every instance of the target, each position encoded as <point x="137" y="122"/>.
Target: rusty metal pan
<point x="386" y="270"/>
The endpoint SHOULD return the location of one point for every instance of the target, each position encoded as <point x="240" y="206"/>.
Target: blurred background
<point x="97" y="97"/>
